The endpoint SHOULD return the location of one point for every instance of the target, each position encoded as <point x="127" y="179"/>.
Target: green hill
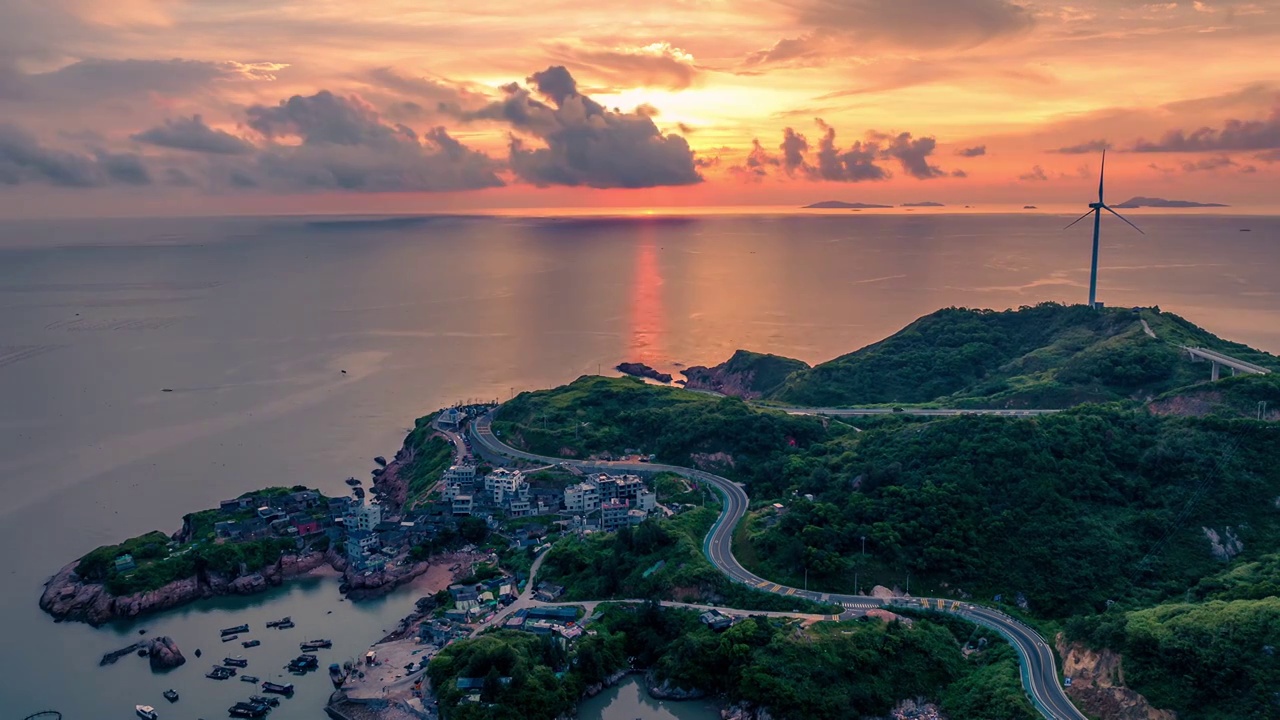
<point x="746" y="375"/>
<point x="1044" y="356"/>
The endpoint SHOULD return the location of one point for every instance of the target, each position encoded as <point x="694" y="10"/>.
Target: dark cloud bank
<point x="326" y="141"/>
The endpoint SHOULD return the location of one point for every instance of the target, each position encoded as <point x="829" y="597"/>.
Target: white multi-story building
<point x="462" y="505"/>
<point x="646" y="501"/>
<point x="506" y="486"/>
<point x="581" y="498"/>
<point x="363" y="517"/>
<point x="460" y="474"/>
<point x="613" y="514"/>
<point x="617" y="487"/>
<point x="450" y="491"/>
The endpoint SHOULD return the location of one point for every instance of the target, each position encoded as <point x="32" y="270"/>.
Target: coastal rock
<point x="380" y="582"/>
<point x="608" y="682"/>
<point x="642" y="370"/>
<point x="381" y="461"/>
<point x="67" y="596"/>
<point x="667" y="691"/>
<point x="164" y="654"/>
<point x="745" y="711"/>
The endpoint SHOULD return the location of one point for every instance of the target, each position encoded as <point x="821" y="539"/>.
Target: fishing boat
<point x="229" y="638"/>
<point x="220" y="673"/>
<point x="146" y="712"/>
<point x="235" y="630"/>
<point x="273" y="702"/>
<point x="251" y="643"/>
<point x="249" y="679"/>
<point x="171" y="695"/>
<point x="315" y="644"/>
<point x="270" y="687"/>
<point x="248" y="710"/>
<point x="303" y="663"/>
<point x="336" y="674"/>
<point x="281" y="621"/>
<point x="235" y="662"/>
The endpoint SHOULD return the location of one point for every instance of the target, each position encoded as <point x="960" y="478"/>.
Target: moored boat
<point x="229" y="638"/>
<point x="146" y="712"/>
<point x="171" y="695"/>
<point x="270" y="687"/>
<point x="281" y="621"/>
<point x="249" y="679"/>
<point x="235" y="662"/>
<point x="336" y="675"/>
<point x="315" y="644"/>
<point x="251" y="643"/>
<point x="235" y="630"/>
<point x="248" y="710"/>
<point x="273" y="702"/>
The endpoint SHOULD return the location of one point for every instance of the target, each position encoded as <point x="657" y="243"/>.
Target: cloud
<point x="1213" y="163"/>
<point x="1036" y="174"/>
<point x="194" y="135"/>
<point x="342" y="143"/>
<point x="24" y="160"/>
<point x="1234" y="135"/>
<point x="1269" y="156"/>
<point x="975" y="151"/>
<point x="914" y="24"/>
<point x="655" y="65"/>
<point x="1089" y="146"/>
<point x="585" y="144"/>
<point x="94" y="80"/>
<point x="860" y="162"/>
<point x="959" y="174"/>
<point x="793" y="147"/>
<point x="913" y="155"/>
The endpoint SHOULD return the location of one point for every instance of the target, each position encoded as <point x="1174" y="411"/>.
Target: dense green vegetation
<point x="1136" y="506"/>
<point x="429" y="456"/>
<point x="528" y="663"/>
<point x="658" y="559"/>
<point x="828" y="671"/>
<point x="161" y="560"/>
<point x="595" y="416"/>
<point x="158" y="565"/>
<point x="747" y="374"/>
<point x="1212" y="654"/>
<point x="1232" y="397"/>
<point x="1048" y="355"/>
<point x="1070" y="510"/>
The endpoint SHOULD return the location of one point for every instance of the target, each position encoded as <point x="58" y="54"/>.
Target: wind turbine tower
<point x="1096" y="209"/>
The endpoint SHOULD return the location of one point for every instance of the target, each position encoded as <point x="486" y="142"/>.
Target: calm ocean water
<point x="250" y="322"/>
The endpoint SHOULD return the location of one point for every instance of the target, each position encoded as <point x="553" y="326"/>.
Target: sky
<point x="283" y="106"/>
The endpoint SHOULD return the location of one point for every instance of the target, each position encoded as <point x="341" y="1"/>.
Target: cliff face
<point x="746" y="375"/>
<point x="1097" y="684"/>
<point x="68" y="597"/>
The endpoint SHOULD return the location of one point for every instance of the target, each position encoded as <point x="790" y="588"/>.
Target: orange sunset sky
<point x="228" y="106"/>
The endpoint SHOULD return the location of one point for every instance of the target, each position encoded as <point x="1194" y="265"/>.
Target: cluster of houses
<point x="600" y="501"/>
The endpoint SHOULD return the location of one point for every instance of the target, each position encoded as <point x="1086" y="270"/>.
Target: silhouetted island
<point x="924" y="204"/>
<point x="1140" y="202"/>
<point x="841" y="205"/>
<point x="642" y="370"/>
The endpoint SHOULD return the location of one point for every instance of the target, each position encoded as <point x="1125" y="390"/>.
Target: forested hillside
<point x="1046" y="356"/>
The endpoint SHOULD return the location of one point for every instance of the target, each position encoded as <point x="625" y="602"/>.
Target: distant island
<point x="1033" y="207"/>
<point x="841" y="205"/>
<point x="1140" y="202"/>
<point x="926" y="203"/>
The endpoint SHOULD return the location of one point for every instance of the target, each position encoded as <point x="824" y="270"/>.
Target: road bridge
<point x="1220" y="361"/>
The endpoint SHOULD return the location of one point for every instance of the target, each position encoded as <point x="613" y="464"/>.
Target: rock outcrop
<point x="164" y="654"/>
<point x="644" y="371"/>
<point x="1097" y="684"/>
<point x="360" y="586"/>
<point x="67" y="596"/>
<point x="666" y="691"/>
<point x="745" y="711"/>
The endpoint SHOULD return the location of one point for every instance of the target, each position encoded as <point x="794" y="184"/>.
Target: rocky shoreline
<point x="67" y="596"/>
<point x="643" y="371"/>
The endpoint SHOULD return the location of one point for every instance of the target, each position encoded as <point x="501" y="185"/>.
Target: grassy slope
<point x="746" y="374"/>
<point x="1044" y="356"/>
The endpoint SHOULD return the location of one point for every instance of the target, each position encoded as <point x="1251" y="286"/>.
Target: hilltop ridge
<point x="1044" y="356"/>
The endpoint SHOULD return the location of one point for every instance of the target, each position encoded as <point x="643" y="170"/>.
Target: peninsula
<point x="841" y="205"/>
<point x="1141" y="202"/>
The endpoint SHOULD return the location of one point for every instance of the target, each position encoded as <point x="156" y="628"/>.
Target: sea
<point x="251" y="322"/>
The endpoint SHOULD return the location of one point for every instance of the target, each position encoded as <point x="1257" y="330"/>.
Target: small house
<point x="125" y="563"/>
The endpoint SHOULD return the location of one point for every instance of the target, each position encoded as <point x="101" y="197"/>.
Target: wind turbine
<point x="1096" y="209"/>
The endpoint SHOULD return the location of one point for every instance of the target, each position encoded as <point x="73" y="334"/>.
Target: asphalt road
<point x="849" y="412"/>
<point x="1039" y="671"/>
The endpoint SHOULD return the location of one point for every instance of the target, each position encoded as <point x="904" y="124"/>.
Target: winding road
<point x="1039" y="671"/>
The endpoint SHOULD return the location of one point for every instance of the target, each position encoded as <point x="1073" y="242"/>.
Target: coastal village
<point x="474" y="513"/>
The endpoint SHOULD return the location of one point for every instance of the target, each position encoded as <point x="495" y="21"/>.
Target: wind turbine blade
<point x="1101" y="173"/>
<point x="1113" y="212"/>
<point x="1073" y="222"/>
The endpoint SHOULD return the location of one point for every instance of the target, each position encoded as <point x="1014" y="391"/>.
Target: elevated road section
<point x="1220" y="361"/>
<point x="1039" y="672"/>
